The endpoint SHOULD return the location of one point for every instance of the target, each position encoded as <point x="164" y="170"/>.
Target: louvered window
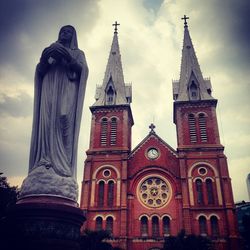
<point x="203" y="127"/>
<point x="144" y="226"/>
<point x="113" y="131"/>
<point x="98" y="225"/>
<point x="110" y="193"/>
<point x="101" y="194"/>
<point x="192" y="128"/>
<point x="166" y="226"/>
<point x="203" y="225"/>
<point x="210" y="193"/>
<point x="104" y="131"/>
<point x="109" y="224"/>
<point x="155" y="226"/>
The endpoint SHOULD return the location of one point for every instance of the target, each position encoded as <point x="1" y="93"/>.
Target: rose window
<point x="154" y="192"/>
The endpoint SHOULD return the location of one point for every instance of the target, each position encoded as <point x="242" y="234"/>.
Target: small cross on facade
<point x="152" y="127"/>
<point x="185" y="20"/>
<point x="115" y="24"/>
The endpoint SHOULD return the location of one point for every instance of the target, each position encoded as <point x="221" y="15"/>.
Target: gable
<point x="153" y="151"/>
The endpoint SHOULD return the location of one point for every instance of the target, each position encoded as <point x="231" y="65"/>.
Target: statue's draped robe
<point x="58" y="102"/>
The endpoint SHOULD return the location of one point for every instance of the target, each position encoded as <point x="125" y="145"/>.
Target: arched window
<point x="166" y="226"/>
<point x="110" y="193"/>
<point x="98" y="224"/>
<point x="101" y="194"/>
<point x="193" y="91"/>
<point x="203" y="127"/>
<point x="210" y="193"/>
<point x="198" y="184"/>
<point x="192" y="128"/>
<point x="203" y="225"/>
<point x="155" y="226"/>
<point x="109" y="224"/>
<point x="144" y="226"/>
<point x="113" y="131"/>
<point x="104" y="131"/>
<point x="214" y="226"/>
<point x="110" y="95"/>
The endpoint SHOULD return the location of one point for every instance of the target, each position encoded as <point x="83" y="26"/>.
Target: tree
<point x="8" y="195"/>
<point x="187" y="242"/>
<point x="94" y="240"/>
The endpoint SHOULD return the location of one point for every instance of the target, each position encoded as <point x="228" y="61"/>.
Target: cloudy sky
<point x="150" y="37"/>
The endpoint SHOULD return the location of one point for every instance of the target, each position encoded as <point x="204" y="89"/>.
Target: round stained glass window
<point x="154" y="192"/>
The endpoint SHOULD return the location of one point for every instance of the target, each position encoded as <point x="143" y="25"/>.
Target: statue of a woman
<point x="60" y="82"/>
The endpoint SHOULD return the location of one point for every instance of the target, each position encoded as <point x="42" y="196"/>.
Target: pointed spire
<point x="113" y="90"/>
<point x="192" y="85"/>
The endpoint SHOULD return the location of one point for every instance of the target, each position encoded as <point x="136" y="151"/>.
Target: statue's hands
<point x="47" y="52"/>
<point x="63" y="52"/>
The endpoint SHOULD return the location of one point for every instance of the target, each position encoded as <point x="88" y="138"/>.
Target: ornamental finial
<point x="115" y="24"/>
<point x="185" y="21"/>
<point x="152" y="127"/>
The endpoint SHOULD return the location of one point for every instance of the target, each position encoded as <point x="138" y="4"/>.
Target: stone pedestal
<point x="43" y="223"/>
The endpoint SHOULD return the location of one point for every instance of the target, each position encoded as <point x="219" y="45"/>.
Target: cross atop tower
<point x="185" y="21"/>
<point x="115" y="24"/>
<point x="152" y="127"/>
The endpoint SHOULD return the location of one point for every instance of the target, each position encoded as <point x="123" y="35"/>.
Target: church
<point x="142" y="195"/>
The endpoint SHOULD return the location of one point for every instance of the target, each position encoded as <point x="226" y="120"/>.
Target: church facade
<point x="144" y="194"/>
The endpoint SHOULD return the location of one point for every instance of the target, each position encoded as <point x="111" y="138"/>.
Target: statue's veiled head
<point x="67" y="34"/>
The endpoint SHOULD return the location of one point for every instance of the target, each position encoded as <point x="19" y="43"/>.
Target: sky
<point x="150" y="38"/>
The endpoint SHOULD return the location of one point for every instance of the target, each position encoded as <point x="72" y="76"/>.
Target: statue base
<point x="43" y="223"/>
<point x="44" y="181"/>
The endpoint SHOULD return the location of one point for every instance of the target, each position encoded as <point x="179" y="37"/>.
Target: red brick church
<point x="144" y="194"/>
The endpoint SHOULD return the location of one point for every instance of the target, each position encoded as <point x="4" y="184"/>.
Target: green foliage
<point x="187" y="242"/>
<point x="8" y="195"/>
<point x="94" y="240"/>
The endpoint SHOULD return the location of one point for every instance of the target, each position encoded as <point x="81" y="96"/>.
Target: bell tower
<point x="206" y="186"/>
<point x="104" y="187"/>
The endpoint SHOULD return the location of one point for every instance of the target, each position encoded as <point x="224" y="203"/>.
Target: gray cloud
<point x="23" y="22"/>
<point x="19" y="106"/>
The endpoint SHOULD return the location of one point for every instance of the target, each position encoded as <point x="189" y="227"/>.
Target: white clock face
<point x="153" y="153"/>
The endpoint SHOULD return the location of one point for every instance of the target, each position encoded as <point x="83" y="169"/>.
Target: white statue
<point x="60" y="82"/>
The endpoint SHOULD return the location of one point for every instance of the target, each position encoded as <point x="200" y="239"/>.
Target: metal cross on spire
<point x="115" y="24"/>
<point x="152" y="127"/>
<point x="185" y="21"/>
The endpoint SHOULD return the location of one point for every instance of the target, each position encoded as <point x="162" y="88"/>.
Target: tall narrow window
<point x="104" y="131"/>
<point x="109" y="224"/>
<point x="193" y="91"/>
<point x="203" y="225"/>
<point x="155" y="226"/>
<point x="198" y="184"/>
<point x="166" y="226"/>
<point x="113" y="131"/>
<point x="110" y="193"/>
<point x="192" y="128"/>
<point x="110" y="95"/>
<point x="144" y="226"/>
<point x="214" y="226"/>
<point x="101" y="194"/>
<point x="210" y="193"/>
<point x="98" y="224"/>
<point x="203" y="127"/>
